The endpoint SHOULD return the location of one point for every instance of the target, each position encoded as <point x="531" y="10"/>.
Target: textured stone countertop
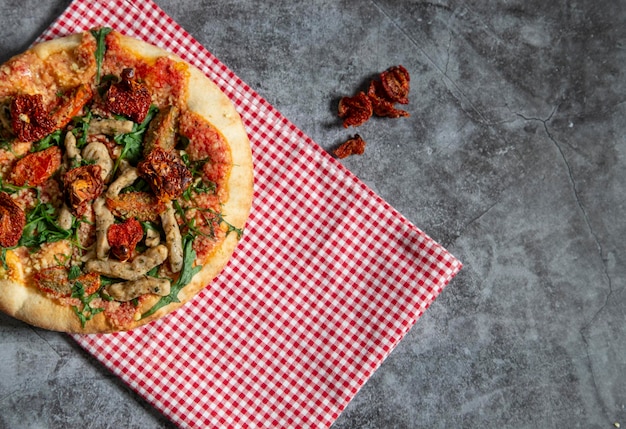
<point x="513" y="158"/>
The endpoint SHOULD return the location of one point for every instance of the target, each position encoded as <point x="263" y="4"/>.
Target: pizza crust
<point x="30" y="305"/>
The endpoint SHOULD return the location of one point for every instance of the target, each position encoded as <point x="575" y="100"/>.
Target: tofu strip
<point x="173" y="237"/>
<point x="99" y="153"/>
<point x="126" y="178"/>
<point x="104" y="219"/>
<point x="71" y="151"/>
<point x="126" y="291"/>
<point x="134" y="270"/>
<point x="110" y="127"/>
<point x="65" y="218"/>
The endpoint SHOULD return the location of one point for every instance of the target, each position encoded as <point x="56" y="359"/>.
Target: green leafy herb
<point x="186" y="274"/>
<point x="74" y="272"/>
<point x="132" y="143"/>
<point x="140" y="185"/>
<point x="11" y="189"/>
<point x="42" y="227"/>
<point x="200" y="185"/>
<point x="52" y="139"/>
<point x="81" y="129"/>
<point x="87" y="312"/>
<point x="100" y="36"/>
<point x="3" y="258"/>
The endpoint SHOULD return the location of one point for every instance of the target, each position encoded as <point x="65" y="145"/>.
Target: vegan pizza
<point x="125" y="183"/>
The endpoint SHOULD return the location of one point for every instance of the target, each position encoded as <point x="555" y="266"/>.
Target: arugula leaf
<point x="74" y="272"/>
<point x="133" y="142"/>
<point x="81" y="129"/>
<point x="87" y="312"/>
<point x="42" y="227"/>
<point x="3" y="258"/>
<point x="186" y="274"/>
<point x="100" y="36"/>
<point x="52" y="139"/>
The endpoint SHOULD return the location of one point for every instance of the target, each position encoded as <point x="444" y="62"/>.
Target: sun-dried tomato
<point x="29" y="118"/>
<point x="83" y="185"/>
<point x="55" y="282"/>
<point x="395" y="81"/>
<point x="353" y="146"/>
<point x="70" y="104"/>
<point x="382" y="106"/>
<point x="129" y="97"/>
<point x="140" y="205"/>
<point x="355" y="110"/>
<point x="36" y="167"/>
<point x="12" y="221"/>
<point x="166" y="174"/>
<point x="123" y="238"/>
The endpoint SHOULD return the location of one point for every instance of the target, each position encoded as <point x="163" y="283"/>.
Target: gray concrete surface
<point x="513" y="159"/>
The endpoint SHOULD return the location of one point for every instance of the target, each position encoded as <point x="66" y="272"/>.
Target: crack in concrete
<point x="584" y="330"/>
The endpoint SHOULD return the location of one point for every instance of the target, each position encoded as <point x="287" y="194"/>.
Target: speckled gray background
<point x="513" y="159"/>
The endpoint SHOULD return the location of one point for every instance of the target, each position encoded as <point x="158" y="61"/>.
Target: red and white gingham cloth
<point x="325" y="283"/>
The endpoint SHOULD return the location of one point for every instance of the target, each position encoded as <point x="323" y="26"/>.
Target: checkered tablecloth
<point x="326" y="281"/>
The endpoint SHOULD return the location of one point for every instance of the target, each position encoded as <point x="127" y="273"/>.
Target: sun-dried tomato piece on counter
<point x="12" y="221"/>
<point x="36" y="167"/>
<point x="353" y="146"/>
<point x="355" y="110"/>
<point x="129" y="97"/>
<point x="396" y="83"/>
<point x="83" y="185"/>
<point x="166" y="174"/>
<point x="29" y="118"/>
<point x="123" y="238"/>
<point x="382" y="106"/>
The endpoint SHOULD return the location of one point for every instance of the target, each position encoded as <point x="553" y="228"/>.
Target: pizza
<point x="125" y="183"/>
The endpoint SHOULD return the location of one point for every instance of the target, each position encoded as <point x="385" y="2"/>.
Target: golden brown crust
<point x="27" y="303"/>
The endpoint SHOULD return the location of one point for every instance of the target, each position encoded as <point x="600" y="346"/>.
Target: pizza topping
<point x="104" y="219"/>
<point x="126" y="291"/>
<point x="123" y="238"/>
<point x="162" y="131"/>
<point x="173" y="237"/>
<point x="29" y="118"/>
<point x="355" y="110"/>
<point x="141" y="205"/>
<point x="36" y="167"/>
<point x="100" y="35"/>
<point x="72" y="153"/>
<point x="128" y="97"/>
<point x="134" y="270"/>
<point x="65" y="219"/>
<point x="12" y="221"/>
<point x="56" y="282"/>
<point x="166" y="174"/>
<point x="71" y="104"/>
<point x="354" y="145"/>
<point x="99" y="153"/>
<point x="82" y="186"/>
<point x="53" y="281"/>
<point x="126" y="178"/>
<point x="109" y="127"/>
